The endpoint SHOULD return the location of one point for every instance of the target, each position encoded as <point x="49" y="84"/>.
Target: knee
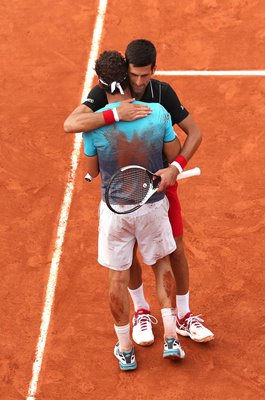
<point x="119" y="282"/>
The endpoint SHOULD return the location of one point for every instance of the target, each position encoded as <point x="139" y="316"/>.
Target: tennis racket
<point x="132" y="186"/>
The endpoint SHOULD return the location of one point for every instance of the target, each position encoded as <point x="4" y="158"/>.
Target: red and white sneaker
<point x="142" y="332"/>
<point x="191" y="325"/>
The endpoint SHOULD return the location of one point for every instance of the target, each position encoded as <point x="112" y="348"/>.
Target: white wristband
<point x="88" y="177"/>
<point x="178" y="166"/>
<point x="115" y="114"/>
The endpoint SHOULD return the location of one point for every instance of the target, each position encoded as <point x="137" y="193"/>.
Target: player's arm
<point x="172" y="149"/>
<point x="189" y="147"/>
<point x="86" y="117"/>
<point x="171" y="143"/>
<point x="169" y="175"/>
<point x="83" y="119"/>
<point x="184" y="120"/>
<point x="90" y="151"/>
<point x="93" y="166"/>
<point x="194" y="137"/>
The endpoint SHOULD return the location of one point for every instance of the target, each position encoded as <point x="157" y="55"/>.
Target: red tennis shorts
<point x="174" y="212"/>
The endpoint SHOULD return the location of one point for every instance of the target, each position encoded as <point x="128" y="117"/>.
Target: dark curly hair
<point x="110" y="67"/>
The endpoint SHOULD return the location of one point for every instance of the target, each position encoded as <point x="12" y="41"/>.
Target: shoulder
<point x="96" y="91"/>
<point x="158" y="91"/>
<point x="96" y="98"/>
<point x="160" y="85"/>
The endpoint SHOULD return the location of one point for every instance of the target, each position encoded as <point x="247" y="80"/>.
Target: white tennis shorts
<point x="149" y="226"/>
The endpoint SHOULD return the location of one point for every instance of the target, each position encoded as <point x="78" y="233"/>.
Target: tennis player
<point x="141" y="60"/>
<point x="108" y="148"/>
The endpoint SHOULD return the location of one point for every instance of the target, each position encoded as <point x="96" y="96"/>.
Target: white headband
<point x="113" y="86"/>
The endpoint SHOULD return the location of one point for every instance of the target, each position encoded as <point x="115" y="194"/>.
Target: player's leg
<point x="155" y="243"/>
<point x="180" y="270"/>
<point x="165" y="286"/>
<point x="113" y="236"/>
<point x="119" y="302"/>
<point x="187" y="323"/>
<point x="142" y="319"/>
<point x="136" y="287"/>
<point x="135" y="272"/>
<point x="120" y="309"/>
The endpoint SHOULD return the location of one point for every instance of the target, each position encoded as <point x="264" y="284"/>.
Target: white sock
<point x="138" y="298"/>
<point x="183" y="304"/>
<point x="123" y="334"/>
<point x="169" y="321"/>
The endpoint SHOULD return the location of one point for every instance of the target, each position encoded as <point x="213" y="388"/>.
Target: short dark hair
<point x="110" y="67"/>
<point x="140" y="53"/>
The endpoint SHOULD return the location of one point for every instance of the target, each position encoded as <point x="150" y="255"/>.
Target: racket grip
<point x="88" y="177"/>
<point x="190" y="172"/>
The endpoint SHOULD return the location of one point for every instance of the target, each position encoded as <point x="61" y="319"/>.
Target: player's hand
<point x="168" y="177"/>
<point x="128" y="111"/>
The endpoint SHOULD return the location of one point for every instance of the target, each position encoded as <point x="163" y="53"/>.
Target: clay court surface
<point x="45" y="47"/>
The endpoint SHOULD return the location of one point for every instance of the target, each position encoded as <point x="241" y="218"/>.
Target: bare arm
<point x="83" y="119"/>
<point x="169" y="175"/>
<point x="191" y="144"/>
<point x="193" y="139"/>
<point x="93" y="166"/>
<point x="172" y="149"/>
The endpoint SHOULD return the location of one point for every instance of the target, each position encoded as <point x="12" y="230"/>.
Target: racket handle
<point x="88" y="177"/>
<point x="190" y="172"/>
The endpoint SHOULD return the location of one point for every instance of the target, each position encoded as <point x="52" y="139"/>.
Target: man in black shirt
<point x="141" y="59"/>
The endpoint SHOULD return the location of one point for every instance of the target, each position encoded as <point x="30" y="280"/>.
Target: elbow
<point x="67" y="127"/>
<point x="93" y="172"/>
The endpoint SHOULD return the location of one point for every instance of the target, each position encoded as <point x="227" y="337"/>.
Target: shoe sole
<point x="202" y="340"/>
<point x="173" y="356"/>
<point x="144" y="344"/>
<point x="128" y="367"/>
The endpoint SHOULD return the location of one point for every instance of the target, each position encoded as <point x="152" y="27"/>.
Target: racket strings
<point x="129" y="187"/>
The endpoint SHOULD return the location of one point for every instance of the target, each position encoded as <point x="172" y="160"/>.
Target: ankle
<point x="173" y="336"/>
<point x="126" y="347"/>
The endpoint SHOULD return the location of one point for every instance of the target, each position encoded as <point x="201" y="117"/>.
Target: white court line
<point x="195" y="72"/>
<point x="50" y="291"/>
<point x="212" y="73"/>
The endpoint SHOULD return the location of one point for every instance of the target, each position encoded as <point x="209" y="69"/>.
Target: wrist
<point x="116" y="115"/>
<point x="177" y="165"/>
<point x="111" y="116"/>
<point x="180" y="163"/>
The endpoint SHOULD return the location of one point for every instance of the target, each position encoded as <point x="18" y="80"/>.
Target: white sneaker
<point x="142" y="332"/>
<point x="191" y="326"/>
